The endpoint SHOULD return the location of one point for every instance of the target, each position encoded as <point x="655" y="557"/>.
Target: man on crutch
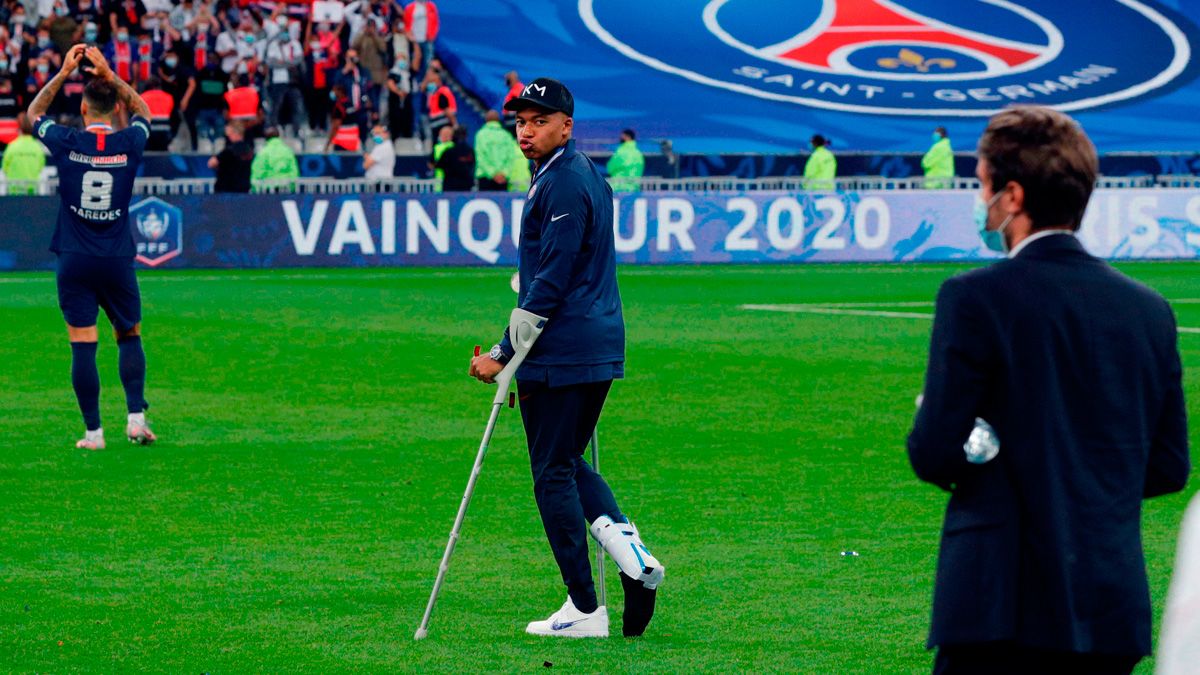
<point x="568" y="274"/>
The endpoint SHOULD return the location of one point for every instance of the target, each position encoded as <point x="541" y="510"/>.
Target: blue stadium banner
<point x="255" y="231"/>
<point x="721" y="76"/>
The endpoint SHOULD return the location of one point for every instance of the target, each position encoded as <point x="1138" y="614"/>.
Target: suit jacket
<point x="1077" y="368"/>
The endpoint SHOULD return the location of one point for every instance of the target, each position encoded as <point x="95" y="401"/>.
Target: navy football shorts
<point x="87" y="283"/>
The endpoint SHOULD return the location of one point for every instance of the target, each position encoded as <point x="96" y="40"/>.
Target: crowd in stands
<point x="251" y="80"/>
<point x="325" y="70"/>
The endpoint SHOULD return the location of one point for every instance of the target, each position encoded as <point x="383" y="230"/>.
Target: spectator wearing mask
<point x="443" y="109"/>
<point x="284" y="59"/>
<point x="356" y="83"/>
<point x="322" y="52"/>
<point x="179" y="80"/>
<point x="626" y="166"/>
<point x="403" y="47"/>
<point x="371" y="48"/>
<point x="458" y="163"/>
<point x="19" y="25"/>
<point x="148" y="56"/>
<point x="232" y="164"/>
<point x="45" y="48"/>
<point x="39" y="75"/>
<point x="421" y="25"/>
<point x="23" y="161"/>
<point x="238" y="46"/>
<point x="91" y="34"/>
<point x="445" y="141"/>
<point x="121" y="54"/>
<point x="821" y="167"/>
<point x="207" y="107"/>
<point x="380" y="163"/>
<point x="11" y="52"/>
<point x="493" y="154"/>
<point x="203" y="43"/>
<point x="514" y="86"/>
<point x="400" y="99"/>
<point x="274" y="164"/>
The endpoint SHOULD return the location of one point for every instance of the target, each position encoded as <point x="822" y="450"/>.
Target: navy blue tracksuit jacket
<point x="568" y="268"/>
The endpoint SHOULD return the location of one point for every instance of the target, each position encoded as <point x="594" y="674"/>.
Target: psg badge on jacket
<point x="157" y="231"/>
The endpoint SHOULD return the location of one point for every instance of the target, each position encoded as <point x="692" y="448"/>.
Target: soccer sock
<point x="131" y="362"/>
<point x="86" y="381"/>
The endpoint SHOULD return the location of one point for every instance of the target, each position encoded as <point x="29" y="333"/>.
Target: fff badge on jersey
<point x="157" y="231"/>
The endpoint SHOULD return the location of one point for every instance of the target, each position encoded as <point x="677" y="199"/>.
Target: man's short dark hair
<point x="818" y="141"/>
<point x="940" y="131"/>
<point x="1046" y="153"/>
<point x="101" y="96"/>
<point x="629" y="132"/>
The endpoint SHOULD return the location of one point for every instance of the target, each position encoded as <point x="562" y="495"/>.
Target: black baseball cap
<point x="544" y="93"/>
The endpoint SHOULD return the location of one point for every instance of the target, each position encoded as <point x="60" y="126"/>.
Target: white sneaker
<point x="624" y="545"/>
<point x="570" y="622"/>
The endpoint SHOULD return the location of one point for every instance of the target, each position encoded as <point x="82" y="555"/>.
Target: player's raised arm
<point x="129" y="97"/>
<point x="41" y="103"/>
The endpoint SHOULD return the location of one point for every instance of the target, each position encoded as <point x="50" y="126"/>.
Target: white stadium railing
<point x="335" y="186"/>
<point x="204" y="186"/>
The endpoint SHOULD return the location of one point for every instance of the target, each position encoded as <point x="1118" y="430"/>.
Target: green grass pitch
<point x="317" y="429"/>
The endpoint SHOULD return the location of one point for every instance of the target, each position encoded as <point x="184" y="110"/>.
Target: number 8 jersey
<point x="95" y="182"/>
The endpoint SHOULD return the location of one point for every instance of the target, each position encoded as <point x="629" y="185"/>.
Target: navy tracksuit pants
<point x="558" y="426"/>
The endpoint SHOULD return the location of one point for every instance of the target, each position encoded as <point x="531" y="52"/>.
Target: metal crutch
<point x="599" y="549"/>
<point x="523" y="329"/>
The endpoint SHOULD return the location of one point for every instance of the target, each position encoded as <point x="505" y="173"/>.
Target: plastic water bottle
<point x="982" y="445"/>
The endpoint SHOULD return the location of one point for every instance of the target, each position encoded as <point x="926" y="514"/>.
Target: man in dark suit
<point x="1077" y="369"/>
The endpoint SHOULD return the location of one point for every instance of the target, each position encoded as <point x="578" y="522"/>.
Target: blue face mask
<point x="171" y="63"/>
<point x="936" y="137"/>
<point x="377" y="139"/>
<point x="90" y="35"/>
<point x="993" y="240"/>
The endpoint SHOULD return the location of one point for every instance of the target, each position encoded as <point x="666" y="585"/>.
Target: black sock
<point x="131" y="362"/>
<point x="86" y="381"/>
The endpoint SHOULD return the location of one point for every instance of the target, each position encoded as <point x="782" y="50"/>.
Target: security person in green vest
<point x="519" y="176"/>
<point x="24" y="160"/>
<point x="445" y="141"/>
<point x="938" y="163"/>
<point x="821" y="166"/>
<point x="493" y="154"/>
<point x="275" y="163"/>
<point x="626" y="166"/>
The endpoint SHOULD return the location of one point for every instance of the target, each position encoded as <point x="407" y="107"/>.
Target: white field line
<point x="841" y="309"/>
<point x="811" y="309"/>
